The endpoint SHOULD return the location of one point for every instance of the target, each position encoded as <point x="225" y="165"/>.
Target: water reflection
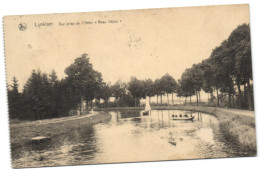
<point x="129" y="137"/>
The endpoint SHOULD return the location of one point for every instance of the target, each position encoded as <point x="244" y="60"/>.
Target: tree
<point x="196" y="73"/>
<point x="179" y="91"/>
<point x="136" y="89"/>
<point x="229" y="65"/>
<point x="168" y="85"/>
<point x="14" y="100"/>
<point x="37" y="96"/>
<point x="55" y="98"/>
<point x="148" y="88"/>
<point x="221" y="64"/>
<point x="164" y="85"/>
<point x="85" y="81"/>
<point x="240" y="50"/>
<point x="53" y="78"/>
<point x="127" y="100"/>
<point x="117" y="91"/>
<point x="68" y="100"/>
<point x="191" y="82"/>
<point x="185" y="86"/>
<point x="104" y="93"/>
<point x="156" y="88"/>
<point x="207" y="74"/>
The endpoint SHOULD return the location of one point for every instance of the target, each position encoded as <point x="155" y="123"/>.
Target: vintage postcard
<point x="130" y="86"/>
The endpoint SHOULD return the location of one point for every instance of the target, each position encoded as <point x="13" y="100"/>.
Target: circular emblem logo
<point x="22" y="26"/>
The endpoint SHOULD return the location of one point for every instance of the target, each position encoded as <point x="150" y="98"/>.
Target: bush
<point x="73" y="112"/>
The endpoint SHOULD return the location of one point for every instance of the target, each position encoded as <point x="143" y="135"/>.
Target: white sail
<point x="147" y="104"/>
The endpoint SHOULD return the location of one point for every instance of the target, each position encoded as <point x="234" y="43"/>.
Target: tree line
<point x="44" y="96"/>
<point x="227" y="73"/>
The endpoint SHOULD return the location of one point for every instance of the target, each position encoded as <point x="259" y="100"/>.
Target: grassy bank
<point x="237" y="126"/>
<point x="23" y="132"/>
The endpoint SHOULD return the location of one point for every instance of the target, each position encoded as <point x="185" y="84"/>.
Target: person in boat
<point x="180" y="115"/>
<point x="185" y="115"/>
<point x="171" y="139"/>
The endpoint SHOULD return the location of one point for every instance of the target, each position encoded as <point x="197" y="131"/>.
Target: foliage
<point x="14" y="99"/>
<point x="84" y="80"/>
<point x="136" y="88"/>
<point x="227" y="72"/>
<point x="228" y="65"/>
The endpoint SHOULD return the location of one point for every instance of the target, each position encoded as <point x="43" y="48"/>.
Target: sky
<point x="142" y="43"/>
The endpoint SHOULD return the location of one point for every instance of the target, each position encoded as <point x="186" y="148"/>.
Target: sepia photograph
<point x="130" y="86"/>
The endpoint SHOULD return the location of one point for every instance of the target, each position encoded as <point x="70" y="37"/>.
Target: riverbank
<point x="237" y="126"/>
<point x="23" y="132"/>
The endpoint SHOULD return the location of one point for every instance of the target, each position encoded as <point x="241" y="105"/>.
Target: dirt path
<point x="54" y="120"/>
<point x="239" y="112"/>
<point x="24" y="132"/>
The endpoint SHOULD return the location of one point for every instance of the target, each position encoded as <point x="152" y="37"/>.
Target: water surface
<point x="129" y="137"/>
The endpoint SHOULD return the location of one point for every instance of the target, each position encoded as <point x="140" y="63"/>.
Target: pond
<point x="130" y="137"/>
